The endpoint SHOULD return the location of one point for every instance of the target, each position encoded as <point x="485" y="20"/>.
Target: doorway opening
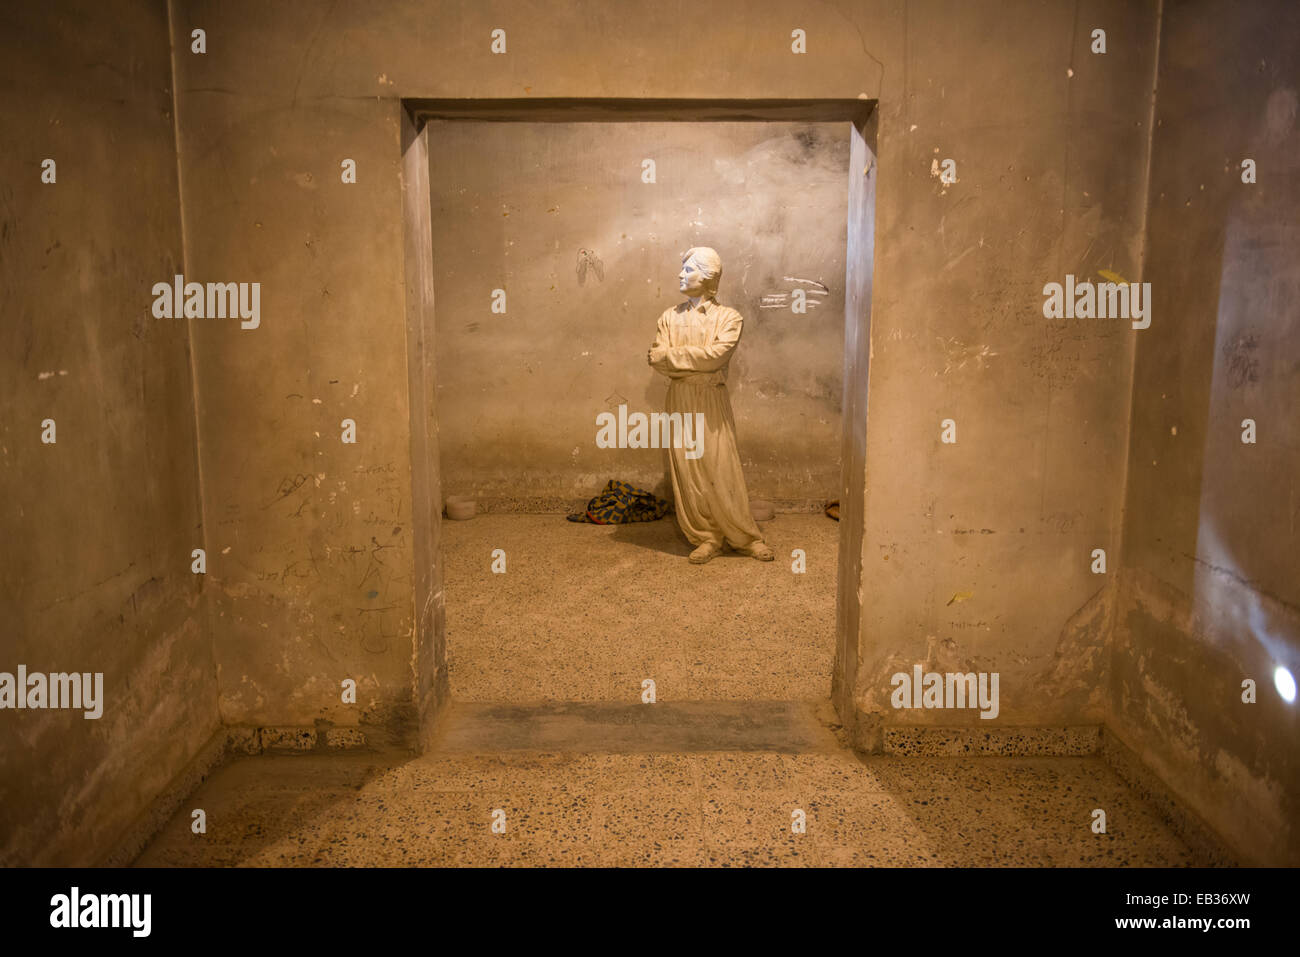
<point x="543" y="239"/>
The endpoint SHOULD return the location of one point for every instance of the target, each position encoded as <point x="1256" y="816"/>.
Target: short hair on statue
<point x="708" y="262"/>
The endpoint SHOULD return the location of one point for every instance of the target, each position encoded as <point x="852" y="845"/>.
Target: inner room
<point x="556" y="246"/>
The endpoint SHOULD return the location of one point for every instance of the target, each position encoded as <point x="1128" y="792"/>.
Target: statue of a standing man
<point x="692" y="348"/>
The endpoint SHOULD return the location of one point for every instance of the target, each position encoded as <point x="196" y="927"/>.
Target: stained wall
<point x="977" y="554"/>
<point x="1211" y="571"/>
<point x="99" y="525"/>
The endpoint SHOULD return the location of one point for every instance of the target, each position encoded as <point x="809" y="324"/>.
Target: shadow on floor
<point x="661" y="536"/>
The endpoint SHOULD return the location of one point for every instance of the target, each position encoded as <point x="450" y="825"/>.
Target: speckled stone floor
<point x="547" y="732"/>
<point x="585" y="806"/>
<point x="587" y="612"/>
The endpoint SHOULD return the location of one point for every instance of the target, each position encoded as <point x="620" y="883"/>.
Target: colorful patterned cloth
<point x="620" y="503"/>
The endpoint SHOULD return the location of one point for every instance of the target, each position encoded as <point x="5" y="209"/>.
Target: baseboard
<point x="245" y="739"/>
<point x="869" y="736"/>
<point x="1148" y="785"/>
<point x="1062" y="742"/>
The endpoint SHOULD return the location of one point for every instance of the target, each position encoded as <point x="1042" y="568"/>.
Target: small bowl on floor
<point x="460" y="508"/>
<point x="762" y="511"/>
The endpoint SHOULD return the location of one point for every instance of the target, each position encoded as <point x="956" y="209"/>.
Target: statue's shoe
<point x="704" y="553"/>
<point x="758" y="550"/>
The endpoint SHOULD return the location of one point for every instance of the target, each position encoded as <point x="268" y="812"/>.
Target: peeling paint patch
<point x="1166" y="714"/>
<point x="1263" y="795"/>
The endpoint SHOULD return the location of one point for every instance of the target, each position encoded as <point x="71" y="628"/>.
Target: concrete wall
<point x="317" y="583"/>
<point x="1211" y="565"/>
<point x="311" y="538"/>
<point x="517" y="205"/>
<point x="976" y="554"/>
<point x="100" y="525"/>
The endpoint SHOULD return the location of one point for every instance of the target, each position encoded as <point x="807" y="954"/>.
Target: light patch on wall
<point x="1232" y="562"/>
<point x="1228" y="600"/>
<point x="957" y="354"/>
<point x="1284" y="682"/>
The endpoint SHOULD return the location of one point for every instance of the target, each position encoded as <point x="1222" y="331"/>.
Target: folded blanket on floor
<point x="620" y="503"/>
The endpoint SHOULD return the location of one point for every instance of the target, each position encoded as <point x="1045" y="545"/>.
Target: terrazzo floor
<point x="546" y="733"/>
<point x="666" y="803"/>
<point x="631" y="607"/>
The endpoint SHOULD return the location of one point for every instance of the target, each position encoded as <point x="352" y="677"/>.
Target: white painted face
<point x="692" y="279"/>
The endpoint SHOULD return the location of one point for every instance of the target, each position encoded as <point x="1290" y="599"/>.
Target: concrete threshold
<point x="683" y="726"/>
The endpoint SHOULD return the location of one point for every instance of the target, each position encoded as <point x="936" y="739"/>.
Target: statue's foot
<point x="758" y="550"/>
<point x="704" y="553"/>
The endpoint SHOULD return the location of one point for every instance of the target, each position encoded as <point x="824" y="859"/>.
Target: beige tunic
<point x="697" y="344"/>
